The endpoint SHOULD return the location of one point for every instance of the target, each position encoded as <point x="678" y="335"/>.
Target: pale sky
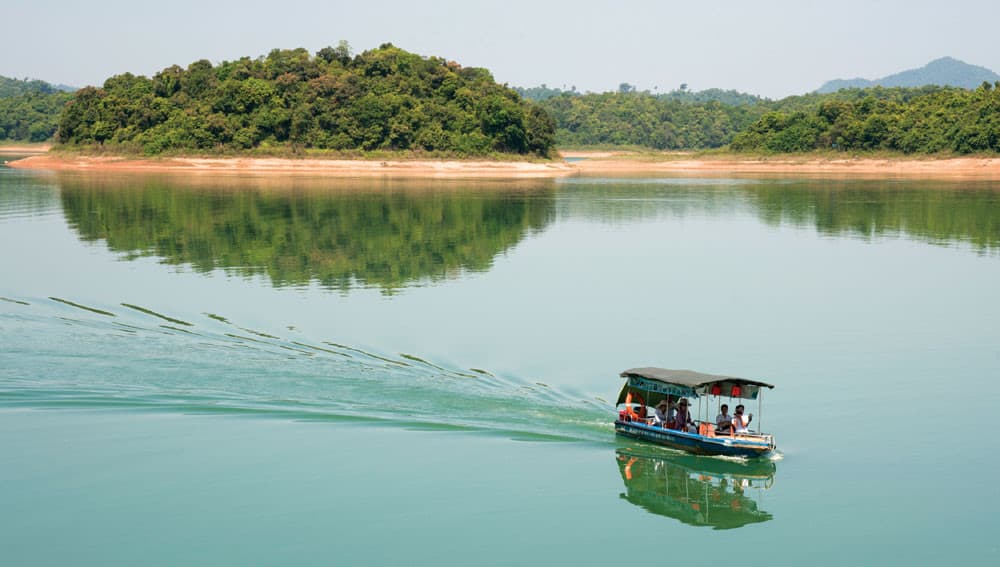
<point x="772" y="48"/>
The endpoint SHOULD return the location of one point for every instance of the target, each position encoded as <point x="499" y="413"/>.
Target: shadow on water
<point x="699" y="491"/>
<point x="337" y="233"/>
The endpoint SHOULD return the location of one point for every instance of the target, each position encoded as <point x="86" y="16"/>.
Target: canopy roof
<point x="658" y="383"/>
<point x="687" y="378"/>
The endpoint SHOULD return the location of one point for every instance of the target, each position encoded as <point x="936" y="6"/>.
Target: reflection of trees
<point x="382" y="236"/>
<point x="937" y="212"/>
<point x="934" y="212"/>
<point x="696" y="490"/>
<point x="26" y="194"/>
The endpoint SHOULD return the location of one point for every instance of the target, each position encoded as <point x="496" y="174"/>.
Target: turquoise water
<point x="233" y="370"/>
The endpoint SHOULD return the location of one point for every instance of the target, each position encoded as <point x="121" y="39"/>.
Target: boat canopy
<point x="661" y="382"/>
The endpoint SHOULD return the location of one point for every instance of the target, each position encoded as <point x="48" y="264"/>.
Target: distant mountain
<point x="14" y="87"/>
<point x="945" y="71"/>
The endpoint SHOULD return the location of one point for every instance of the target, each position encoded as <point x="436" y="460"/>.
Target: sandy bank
<point x="592" y="163"/>
<point x="281" y="166"/>
<point x="951" y="168"/>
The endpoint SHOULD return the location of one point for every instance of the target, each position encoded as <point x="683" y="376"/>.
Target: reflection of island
<point x="699" y="491"/>
<point x="938" y="212"/>
<point x="355" y="233"/>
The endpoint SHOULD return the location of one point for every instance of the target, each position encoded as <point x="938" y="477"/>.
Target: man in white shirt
<point x="741" y="422"/>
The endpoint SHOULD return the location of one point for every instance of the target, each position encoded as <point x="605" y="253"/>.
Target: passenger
<point x="660" y="413"/>
<point x="724" y="421"/>
<point x="683" y="421"/>
<point x="671" y="414"/>
<point x="741" y="422"/>
<point x="671" y="410"/>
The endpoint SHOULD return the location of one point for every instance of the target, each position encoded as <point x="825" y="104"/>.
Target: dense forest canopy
<point x="642" y="119"/>
<point x="32" y="116"/>
<point x="543" y="92"/>
<point x="382" y="99"/>
<point x="29" y="109"/>
<point x="15" y="87"/>
<point x="929" y="119"/>
<point x="679" y="119"/>
<point x="942" y="121"/>
<point x="728" y="97"/>
<point x="388" y="99"/>
<point x="812" y="101"/>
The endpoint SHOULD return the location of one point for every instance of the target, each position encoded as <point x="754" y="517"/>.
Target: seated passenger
<point x="660" y="413"/>
<point x="671" y="409"/>
<point x="671" y="413"/>
<point x="724" y="421"/>
<point x="682" y="420"/>
<point x="741" y="423"/>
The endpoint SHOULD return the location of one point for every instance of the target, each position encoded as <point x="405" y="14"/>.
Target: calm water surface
<point x="247" y="370"/>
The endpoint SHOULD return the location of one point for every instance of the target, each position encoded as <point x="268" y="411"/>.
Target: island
<point x="389" y="112"/>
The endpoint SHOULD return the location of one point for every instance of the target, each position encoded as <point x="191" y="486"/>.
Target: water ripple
<point x="100" y="358"/>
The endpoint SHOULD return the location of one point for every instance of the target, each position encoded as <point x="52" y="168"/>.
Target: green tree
<point x="382" y="99"/>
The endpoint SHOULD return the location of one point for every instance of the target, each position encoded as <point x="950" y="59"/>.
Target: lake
<point x="205" y="370"/>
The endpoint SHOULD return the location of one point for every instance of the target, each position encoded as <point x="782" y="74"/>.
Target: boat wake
<point x="62" y="352"/>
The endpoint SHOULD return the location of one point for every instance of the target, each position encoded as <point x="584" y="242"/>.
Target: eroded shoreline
<point x="588" y="164"/>
<point x="285" y="166"/>
<point x="615" y="163"/>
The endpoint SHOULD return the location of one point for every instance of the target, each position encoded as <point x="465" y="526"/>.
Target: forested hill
<point x="682" y="94"/>
<point x="29" y="109"/>
<point x="15" y="87"/>
<point x="679" y="119"/>
<point x="382" y="99"/>
<point x="940" y="120"/>
<point x="642" y="119"/>
<point x="946" y="71"/>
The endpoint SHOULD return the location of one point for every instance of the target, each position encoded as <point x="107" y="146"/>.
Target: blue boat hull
<point x="692" y="442"/>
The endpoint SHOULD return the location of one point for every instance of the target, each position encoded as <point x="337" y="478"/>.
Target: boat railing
<point x="708" y="429"/>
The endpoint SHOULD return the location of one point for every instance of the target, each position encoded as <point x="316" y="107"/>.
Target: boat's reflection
<point x="700" y="491"/>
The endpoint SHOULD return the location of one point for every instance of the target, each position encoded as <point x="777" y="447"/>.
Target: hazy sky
<point x="769" y="47"/>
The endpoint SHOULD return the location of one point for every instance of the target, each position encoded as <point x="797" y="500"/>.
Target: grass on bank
<point x="640" y="154"/>
<point x="285" y="151"/>
<point x="609" y="153"/>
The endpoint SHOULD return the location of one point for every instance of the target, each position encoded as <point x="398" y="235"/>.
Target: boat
<point x="698" y="491"/>
<point x="650" y="385"/>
